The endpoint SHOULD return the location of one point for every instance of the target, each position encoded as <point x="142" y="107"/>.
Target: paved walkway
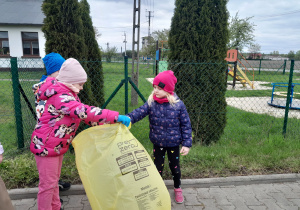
<point x="280" y="191"/>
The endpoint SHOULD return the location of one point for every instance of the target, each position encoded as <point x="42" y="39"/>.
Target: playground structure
<point x="161" y="62"/>
<point x="280" y="101"/>
<point x="235" y="71"/>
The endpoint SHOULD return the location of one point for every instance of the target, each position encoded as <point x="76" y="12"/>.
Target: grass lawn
<point x="251" y="143"/>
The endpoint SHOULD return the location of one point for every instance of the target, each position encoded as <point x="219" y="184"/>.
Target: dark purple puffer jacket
<point x="170" y="126"/>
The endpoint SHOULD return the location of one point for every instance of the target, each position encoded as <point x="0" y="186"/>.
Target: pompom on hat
<point x="72" y="72"/>
<point x="166" y="80"/>
<point x="53" y="62"/>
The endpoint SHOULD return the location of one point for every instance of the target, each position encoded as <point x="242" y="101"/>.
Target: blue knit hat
<point x="53" y="62"/>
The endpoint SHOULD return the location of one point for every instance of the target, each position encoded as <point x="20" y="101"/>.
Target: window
<point x="4" y="44"/>
<point x="30" y="44"/>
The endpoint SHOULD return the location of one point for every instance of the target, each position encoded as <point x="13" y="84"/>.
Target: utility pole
<point x="149" y="20"/>
<point x="149" y="35"/>
<point x="135" y="42"/>
<point x="107" y="46"/>
<point x="125" y="41"/>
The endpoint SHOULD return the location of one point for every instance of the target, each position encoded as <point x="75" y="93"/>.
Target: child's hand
<point x="124" y="120"/>
<point x="184" y="150"/>
<point x="1" y="158"/>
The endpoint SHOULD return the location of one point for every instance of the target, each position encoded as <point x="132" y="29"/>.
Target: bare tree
<point x="254" y="50"/>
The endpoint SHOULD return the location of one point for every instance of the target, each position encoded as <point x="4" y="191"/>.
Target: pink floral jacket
<point x="62" y="115"/>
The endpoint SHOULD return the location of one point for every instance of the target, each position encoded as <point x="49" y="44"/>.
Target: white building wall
<point x="15" y="40"/>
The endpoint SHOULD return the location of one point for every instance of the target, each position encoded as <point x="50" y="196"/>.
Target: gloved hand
<point x="124" y="120"/>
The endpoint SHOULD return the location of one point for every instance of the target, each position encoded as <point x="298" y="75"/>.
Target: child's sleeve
<point x="91" y="115"/>
<point x="186" y="127"/>
<point x="1" y="149"/>
<point x="139" y="113"/>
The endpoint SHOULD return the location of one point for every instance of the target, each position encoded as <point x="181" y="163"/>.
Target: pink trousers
<point x="49" y="172"/>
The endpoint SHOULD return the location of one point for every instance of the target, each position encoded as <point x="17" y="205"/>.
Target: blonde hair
<point x="171" y="98"/>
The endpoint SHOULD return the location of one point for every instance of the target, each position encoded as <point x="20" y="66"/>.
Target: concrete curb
<point x="25" y="193"/>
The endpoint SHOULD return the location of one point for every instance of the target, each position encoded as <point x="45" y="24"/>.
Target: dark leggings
<point x="173" y="157"/>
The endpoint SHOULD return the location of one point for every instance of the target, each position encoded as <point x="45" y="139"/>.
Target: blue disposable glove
<point x="124" y="119"/>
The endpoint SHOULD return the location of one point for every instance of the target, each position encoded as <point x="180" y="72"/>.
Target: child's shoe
<point x="178" y="195"/>
<point x="63" y="186"/>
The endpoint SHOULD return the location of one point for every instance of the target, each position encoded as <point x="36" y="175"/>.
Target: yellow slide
<point x="243" y="79"/>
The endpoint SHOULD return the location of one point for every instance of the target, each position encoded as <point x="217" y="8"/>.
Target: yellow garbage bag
<point x="117" y="172"/>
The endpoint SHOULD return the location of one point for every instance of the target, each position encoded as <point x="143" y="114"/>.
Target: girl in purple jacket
<point x="57" y="126"/>
<point x="170" y="126"/>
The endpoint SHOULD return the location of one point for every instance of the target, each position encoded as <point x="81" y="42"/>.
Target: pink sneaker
<point x="178" y="195"/>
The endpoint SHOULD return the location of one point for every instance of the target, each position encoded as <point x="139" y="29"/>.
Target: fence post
<point x="288" y="98"/>
<point x="17" y="101"/>
<point x="259" y="66"/>
<point x="126" y="83"/>
<point x="284" y="65"/>
<point x="234" y="74"/>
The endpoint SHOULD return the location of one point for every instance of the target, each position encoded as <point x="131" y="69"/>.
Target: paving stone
<point x="230" y="193"/>
<point x="176" y="206"/>
<point x="241" y="189"/>
<point x="271" y="204"/>
<point x="65" y="199"/>
<point x="281" y="200"/>
<point x="273" y="196"/>
<point x="219" y="197"/>
<point x="23" y="207"/>
<point x="296" y="202"/>
<point x="34" y="208"/>
<point x="25" y="204"/>
<point x="239" y="203"/>
<point x="227" y="186"/>
<point x="283" y="188"/>
<point x="74" y="202"/>
<point x="25" y="201"/>
<point x="270" y="188"/>
<point x="87" y="207"/>
<point x="250" y="199"/>
<point x="15" y="202"/>
<point x="189" y="191"/>
<point x="209" y="204"/>
<point x="192" y="200"/>
<point x="292" y="195"/>
<point x="295" y="187"/>
<point x="259" y="191"/>
<point x="194" y="207"/>
<point x="227" y="207"/>
<point x="203" y="193"/>
<point x="84" y="198"/>
<point x="85" y="202"/>
<point x="291" y="207"/>
<point x="211" y="208"/>
<point x="257" y="207"/>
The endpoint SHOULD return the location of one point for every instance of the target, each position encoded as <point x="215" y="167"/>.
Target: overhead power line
<point x="277" y="15"/>
<point x="119" y="26"/>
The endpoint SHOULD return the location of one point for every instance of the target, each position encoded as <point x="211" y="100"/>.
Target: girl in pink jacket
<point x="58" y="124"/>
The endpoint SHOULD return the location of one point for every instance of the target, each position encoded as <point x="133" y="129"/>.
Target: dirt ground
<point x="258" y="85"/>
<point x="260" y="104"/>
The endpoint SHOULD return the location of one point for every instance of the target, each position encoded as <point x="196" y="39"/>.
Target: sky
<point x="277" y="22"/>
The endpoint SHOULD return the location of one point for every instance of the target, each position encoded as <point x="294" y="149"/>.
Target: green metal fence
<point x="246" y="104"/>
<point x="278" y="104"/>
